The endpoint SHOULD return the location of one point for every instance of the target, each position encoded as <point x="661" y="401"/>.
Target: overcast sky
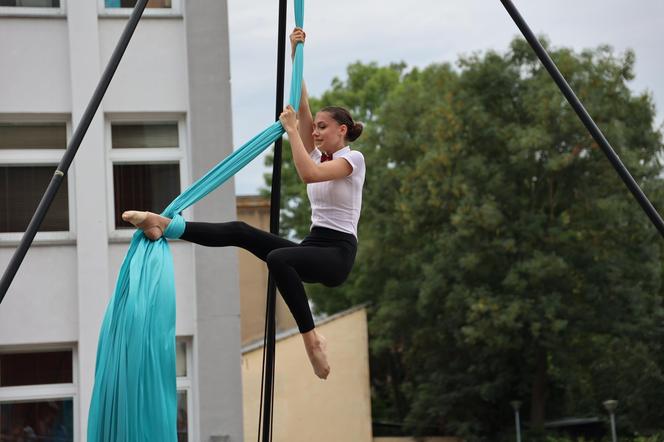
<point x="419" y="32"/>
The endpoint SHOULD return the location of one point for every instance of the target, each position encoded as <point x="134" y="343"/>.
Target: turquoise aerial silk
<point x="134" y="397"/>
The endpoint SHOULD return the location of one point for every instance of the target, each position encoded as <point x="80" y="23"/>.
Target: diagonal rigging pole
<point x="72" y="148"/>
<point x="580" y="110"/>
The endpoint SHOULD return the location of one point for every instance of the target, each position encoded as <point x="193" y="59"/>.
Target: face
<point x="329" y="136"/>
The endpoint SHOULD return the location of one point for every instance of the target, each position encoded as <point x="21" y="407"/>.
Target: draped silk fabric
<point x="134" y="397"/>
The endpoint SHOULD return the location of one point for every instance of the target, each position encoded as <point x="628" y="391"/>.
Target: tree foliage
<point x="502" y="255"/>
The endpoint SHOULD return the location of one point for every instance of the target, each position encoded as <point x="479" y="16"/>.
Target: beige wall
<point x="306" y="408"/>
<point x="255" y="211"/>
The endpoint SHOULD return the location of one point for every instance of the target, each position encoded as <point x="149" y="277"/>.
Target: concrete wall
<point x="306" y="408"/>
<point x="153" y="74"/>
<point x="35" y="74"/>
<point x="41" y="305"/>
<point x="218" y="408"/>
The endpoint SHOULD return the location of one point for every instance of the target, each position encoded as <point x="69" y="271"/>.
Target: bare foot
<point x="151" y="224"/>
<point x="316" y="347"/>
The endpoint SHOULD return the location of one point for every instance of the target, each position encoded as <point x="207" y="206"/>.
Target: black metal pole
<point x="72" y="148"/>
<point x="275" y="204"/>
<point x="574" y="101"/>
<point x="268" y="343"/>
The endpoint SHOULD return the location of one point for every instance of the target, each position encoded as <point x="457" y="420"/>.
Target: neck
<point x="333" y="150"/>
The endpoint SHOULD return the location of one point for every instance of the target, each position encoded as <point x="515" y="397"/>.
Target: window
<point x="29" y="154"/>
<point x="152" y="8"/>
<point x="32" y="7"/>
<point x="31" y="3"/>
<point x="146" y="168"/>
<point x="38" y="392"/>
<point x="35" y="368"/>
<point x="185" y="401"/>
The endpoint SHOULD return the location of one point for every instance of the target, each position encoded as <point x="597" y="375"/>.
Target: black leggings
<point x="325" y="256"/>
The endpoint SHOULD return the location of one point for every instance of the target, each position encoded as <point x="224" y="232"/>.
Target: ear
<point x="343" y="130"/>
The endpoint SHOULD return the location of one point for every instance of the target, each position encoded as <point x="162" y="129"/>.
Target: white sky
<point x="419" y="32"/>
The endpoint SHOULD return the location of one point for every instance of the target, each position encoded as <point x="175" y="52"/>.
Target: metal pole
<point x="72" y="148"/>
<point x="275" y="204"/>
<point x="611" y="405"/>
<point x="614" y="436"/>
<point x="574" y="101"/>
<point x="517" y="422"/>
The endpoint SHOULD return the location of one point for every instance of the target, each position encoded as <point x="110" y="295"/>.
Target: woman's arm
<point x="306" y="120"/>
<point x="306" y="126"/>
<point x="307" y="169"/>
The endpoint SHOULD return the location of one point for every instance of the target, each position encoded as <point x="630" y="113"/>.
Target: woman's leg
<point x="235" y="233"/>
<point x="290" y="266"/>
<point x="265" y="246"/>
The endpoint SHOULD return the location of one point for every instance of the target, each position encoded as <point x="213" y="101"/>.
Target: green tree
<point x="502" y="255"/>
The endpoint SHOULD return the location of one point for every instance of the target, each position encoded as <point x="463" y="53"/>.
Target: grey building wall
<point x="91" y="214"/>
<point x="217" y="348"/>
<point x="175" y="66"/>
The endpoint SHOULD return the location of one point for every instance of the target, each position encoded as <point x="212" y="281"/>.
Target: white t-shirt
<point x="336" y="204"/>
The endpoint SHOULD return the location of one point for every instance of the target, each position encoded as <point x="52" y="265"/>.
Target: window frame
<point x="175" y="11"/>
<point x="159" y="155"/>
<point x="40" y="157"/>
<point x="31" y="393"/>
<point x="29" y="11"/>
<point x="185" y="383"/>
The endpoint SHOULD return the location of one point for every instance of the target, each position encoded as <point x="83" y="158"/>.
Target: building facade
<point x="165" y="120"/>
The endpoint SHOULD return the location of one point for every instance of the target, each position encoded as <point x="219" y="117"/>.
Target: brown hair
<point x="342" y="116"/>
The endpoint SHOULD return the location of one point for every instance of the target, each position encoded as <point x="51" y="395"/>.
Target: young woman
<point x="334" y="175"/>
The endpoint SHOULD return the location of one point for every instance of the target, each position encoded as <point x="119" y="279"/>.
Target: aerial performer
<point x="334" y="175"/>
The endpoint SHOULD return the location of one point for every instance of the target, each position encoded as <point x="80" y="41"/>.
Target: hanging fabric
<point x="134" y="397"/>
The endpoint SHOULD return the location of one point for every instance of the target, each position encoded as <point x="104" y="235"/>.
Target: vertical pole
<point x="583" y="115"/>
<point x="72" y="148"/>
<point x="614" y="436"/>
<point x="517" y="421"/>
<point x="611" y="405"/>
<point x="275" y="204"/>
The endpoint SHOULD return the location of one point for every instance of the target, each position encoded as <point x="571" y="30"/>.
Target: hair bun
<point x="355" y="131"/>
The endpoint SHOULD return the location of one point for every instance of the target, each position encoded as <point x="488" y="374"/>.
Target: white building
<point x="164" y="121"/>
